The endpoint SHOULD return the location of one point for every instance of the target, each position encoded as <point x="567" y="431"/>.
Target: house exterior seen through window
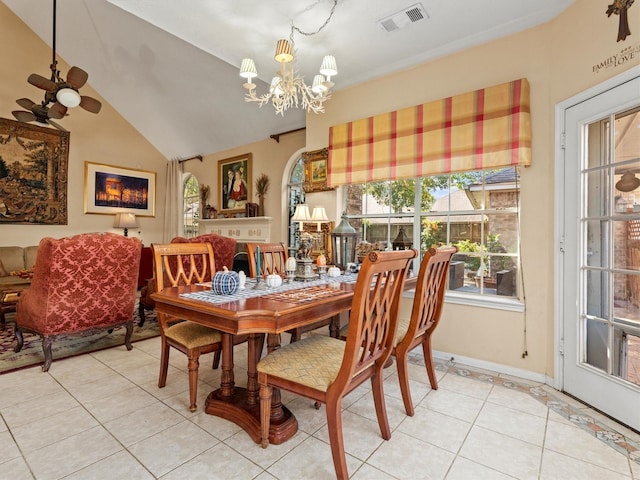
<point x="474" y="211"/>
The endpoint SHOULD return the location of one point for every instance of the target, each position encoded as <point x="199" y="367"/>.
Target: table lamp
<point x="126" y="221"/>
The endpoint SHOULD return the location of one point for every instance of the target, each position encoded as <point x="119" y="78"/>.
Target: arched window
<point x="296" y="196"/>
<point x="191" y="205"/>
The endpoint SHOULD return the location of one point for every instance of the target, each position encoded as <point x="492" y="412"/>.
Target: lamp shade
<point x="68" y="97"/>
<point x="318" y="85"/>
<point x="248" y="69"/>
<point x="284" y="51"/>
<point x="126" y="221"/>
<point x="329" y="67"/>
<point x="302" y="213"/>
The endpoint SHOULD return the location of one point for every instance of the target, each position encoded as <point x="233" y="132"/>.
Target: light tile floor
<point x="102" y="416"/>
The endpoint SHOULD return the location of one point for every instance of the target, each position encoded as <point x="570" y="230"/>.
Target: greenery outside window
<point x="475" y="211"/>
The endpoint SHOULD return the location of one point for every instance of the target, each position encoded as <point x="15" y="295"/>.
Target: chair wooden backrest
<point x="273" y="257"/>
<point x="178" y="264"/>
<point x="374" y="315"/>
<point x="430" y="288"/>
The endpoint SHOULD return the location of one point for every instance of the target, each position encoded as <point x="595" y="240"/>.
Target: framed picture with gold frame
<point x="109" y="189"/>
<point x="234" y="184"/>
<point x="315" y="171"/>
<point x="321" y="240"/>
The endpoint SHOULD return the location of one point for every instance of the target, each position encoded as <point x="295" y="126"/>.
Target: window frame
<point x="480" y="298"/>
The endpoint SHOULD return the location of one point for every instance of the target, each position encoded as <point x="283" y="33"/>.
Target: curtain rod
<point x="276" y="136"/>
<point x="195" y="157"/>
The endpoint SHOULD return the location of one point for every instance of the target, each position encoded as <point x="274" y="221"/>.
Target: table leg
<point x="227" y="381"/>
<point x="242" y="405"/>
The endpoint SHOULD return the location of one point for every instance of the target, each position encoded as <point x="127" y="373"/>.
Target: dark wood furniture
<point x="326" y="369"/>
<point x="185" y="264"/>
<point x="255" y="317"/>
<point x="9" y="296"/>
<point x="425" y="315"/>
<point x="273" y="257"/>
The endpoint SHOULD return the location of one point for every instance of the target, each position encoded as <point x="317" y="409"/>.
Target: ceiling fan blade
<point x="77" y="77"/>
<point x="25" y="103"/>
<point x="41" y="82"/>
<point x="90" y="104"/>
<point x="56" y="125"/>
<point x="23" y="116"/>
<point x="57" y="110"/>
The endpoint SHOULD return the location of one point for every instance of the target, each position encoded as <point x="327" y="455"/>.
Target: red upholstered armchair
<point x="80" y="283"/>
<point x="224" y="249"/>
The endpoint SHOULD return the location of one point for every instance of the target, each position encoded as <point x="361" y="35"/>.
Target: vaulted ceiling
<point x="171" y="68"/>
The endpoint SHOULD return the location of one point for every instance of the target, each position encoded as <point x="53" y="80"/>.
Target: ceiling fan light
<point x="318" y="86"/>
<point x="248" y="69"/>
<point x="329" y="67"/>
<point x="284" y="51"/>
<point x="68" y="97"/>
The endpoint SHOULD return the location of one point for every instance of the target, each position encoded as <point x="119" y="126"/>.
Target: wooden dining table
<point x="270" y="313"/>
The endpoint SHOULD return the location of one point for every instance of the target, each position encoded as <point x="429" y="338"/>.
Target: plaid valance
<point x="487" y="128"/>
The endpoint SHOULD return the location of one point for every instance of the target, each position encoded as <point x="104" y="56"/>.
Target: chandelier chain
<point x="326" y="22"/>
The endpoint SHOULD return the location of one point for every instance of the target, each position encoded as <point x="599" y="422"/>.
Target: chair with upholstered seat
<point x="273" y="257"/>
<point x="325" y="369"/>
<point x="223" y="248"/>
<point x="81" y="283"/>
<point x="178" y="264"/>
<point x="425" y="315"/>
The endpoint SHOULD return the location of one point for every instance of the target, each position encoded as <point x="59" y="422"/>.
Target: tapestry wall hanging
<point x="33" y="174"/>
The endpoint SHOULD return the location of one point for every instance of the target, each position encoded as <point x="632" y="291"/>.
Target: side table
<point x="9" y="296"/>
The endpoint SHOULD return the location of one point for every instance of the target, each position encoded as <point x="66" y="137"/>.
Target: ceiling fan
<point x="60" y="94"/>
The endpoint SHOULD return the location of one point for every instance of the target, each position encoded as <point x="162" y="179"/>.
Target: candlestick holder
<point x="260" y="284"/>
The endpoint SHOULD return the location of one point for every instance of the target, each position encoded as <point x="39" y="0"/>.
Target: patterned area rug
<point x="67" y="346"/>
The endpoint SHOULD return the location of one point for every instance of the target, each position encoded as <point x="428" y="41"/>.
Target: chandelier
<point x="288" y="89"/>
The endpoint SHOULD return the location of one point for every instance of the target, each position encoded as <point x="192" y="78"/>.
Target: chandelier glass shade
<point x="288" y="89"/>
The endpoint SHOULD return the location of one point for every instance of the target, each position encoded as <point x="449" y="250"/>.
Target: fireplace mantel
<point x="247" y="229"/>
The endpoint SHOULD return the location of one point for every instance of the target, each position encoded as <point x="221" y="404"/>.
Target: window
<point x="296" y="196"/>
<point x="191" y="206"/>
<point x="474" y="211"/>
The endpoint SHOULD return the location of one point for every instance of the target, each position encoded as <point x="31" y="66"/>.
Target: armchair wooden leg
<point x="19" y="340"/>
<point x="193" y="365"/>
<point x="265" y="414"/>
<point x="48" y="357"/>
<point x="127" y="336"/>
<point x="141" y="314"/>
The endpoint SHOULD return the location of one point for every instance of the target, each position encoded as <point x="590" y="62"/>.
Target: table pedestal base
<point x="235" y="409"/>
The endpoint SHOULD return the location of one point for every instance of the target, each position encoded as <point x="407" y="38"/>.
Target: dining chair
<point x="178" y="264"/>
<point x="325" y="369"/>
<point x="273" y="257"/>
<point x="417" y="328"/>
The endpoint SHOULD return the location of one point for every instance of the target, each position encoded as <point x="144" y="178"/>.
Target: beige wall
<point x="104" y="138"/>
<point x="558" y="60"/>
<point x="269" y="157"/>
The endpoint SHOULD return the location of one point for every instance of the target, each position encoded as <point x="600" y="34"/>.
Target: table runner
<point x="271" y="292"/>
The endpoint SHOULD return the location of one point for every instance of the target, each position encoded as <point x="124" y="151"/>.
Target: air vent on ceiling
<point x="401" y="19"/>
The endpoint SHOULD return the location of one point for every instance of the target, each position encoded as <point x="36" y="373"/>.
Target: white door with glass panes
<point x="600" y="241"/>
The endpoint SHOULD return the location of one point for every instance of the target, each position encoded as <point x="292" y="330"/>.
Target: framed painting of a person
<point x="235" y="183"/>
